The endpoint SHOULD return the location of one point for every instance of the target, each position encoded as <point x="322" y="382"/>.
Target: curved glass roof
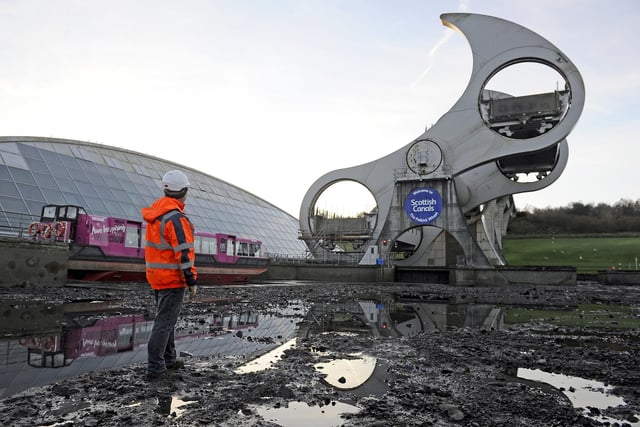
<point x="111" y="181"/>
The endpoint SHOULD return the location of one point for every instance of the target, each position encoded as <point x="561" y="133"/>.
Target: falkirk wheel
<point x="445" y="199"/>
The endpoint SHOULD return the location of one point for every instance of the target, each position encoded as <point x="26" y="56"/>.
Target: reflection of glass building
<point x="111" y="181"/>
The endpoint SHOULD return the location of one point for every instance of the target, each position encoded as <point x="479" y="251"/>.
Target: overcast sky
<point x="269" y="95"/>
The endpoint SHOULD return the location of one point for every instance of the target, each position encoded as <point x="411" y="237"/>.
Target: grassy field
<point x="586" y="315"/>
<point x="587" y="254"/>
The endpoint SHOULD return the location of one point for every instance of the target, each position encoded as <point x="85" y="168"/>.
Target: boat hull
<point x="89" y="264"/>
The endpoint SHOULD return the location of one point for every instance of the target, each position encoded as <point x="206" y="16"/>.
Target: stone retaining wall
<point x="26" y="262"/>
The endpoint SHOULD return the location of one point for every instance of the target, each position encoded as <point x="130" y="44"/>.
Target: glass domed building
<point x="111" y="181"/>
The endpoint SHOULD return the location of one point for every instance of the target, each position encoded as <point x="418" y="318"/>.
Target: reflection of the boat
<point x="86" y="336"/>
<point x="117" y="334"/>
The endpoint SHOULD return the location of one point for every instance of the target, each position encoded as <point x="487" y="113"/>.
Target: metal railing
<point x="16" y="224"/>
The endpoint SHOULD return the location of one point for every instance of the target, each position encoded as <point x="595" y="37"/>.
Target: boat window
<point x="212" y="248"/>
<point x="243" y="249"/>
<point x="254" y="249"/>
<point x="49" y="212"/>
<point x="72" y="213"/>
<point x="132" y="239"/>
<point x="205" y="245"/>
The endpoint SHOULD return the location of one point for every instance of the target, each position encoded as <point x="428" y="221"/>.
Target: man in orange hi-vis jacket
<point x="169" y="256"/>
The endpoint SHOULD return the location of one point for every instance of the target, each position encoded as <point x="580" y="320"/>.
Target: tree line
<point x="579" y="218"/>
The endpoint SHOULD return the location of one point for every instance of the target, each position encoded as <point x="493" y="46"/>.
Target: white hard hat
<point x="175" y="180"/>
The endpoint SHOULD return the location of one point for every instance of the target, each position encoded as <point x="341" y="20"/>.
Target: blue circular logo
<point x="423" y="205"/>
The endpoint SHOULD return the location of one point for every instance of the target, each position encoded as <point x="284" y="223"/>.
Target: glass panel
<point x="54" y="196"/>
<point x="4" y="173"/>
<point x="75" y="199"/>
<point x="22" y="176"/>
<point x="8" y="188"/>
<point x="131" y="211"/>
<point x="86" y="188"/>
<point x="44" y="181"/>
<point x="67" y="185"/>
<point x="29" y="152"/>
<point x="78" y="175"/>
<point x="31" y="192"/>
<point x="89" y="154"/>
<point x="50" y="158"/>
<point x="121" y="196"/>
<point x="58" y="170"/>
<point x="14" y="160"/>
<point x="12" y="204"/>
<point x="36" y="165"/>
<point x="9" y="147"/>
<point x="96" y="206"/>
<point x="113" y="182"/>
<point x="69" y="162"/>
<point x="114" y="209"/>
<point x="102" y="192"/>
<point x="95" y="178"/>
<point x="34" y="207"/>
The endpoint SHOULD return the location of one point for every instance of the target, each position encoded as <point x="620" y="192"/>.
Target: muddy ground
<point x="461" y="376"/>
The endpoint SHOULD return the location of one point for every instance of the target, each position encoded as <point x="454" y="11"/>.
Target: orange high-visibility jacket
<point x="169" y="252"/>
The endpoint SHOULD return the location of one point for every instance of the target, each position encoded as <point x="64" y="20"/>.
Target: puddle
<point x="347" y="374"/>
<point x="42" y="344"/>
<point x="582" y="393"/>
<point x="301" y="414"/>
<point x="387" y="316"/>
<point x="267" y="360"/>
<point x="75" y="338"/>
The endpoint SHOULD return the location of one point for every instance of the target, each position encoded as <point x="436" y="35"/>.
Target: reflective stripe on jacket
<point x="169" y="252"/>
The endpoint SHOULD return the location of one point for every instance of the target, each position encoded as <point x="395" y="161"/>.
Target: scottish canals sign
<point x="423" y="205"/>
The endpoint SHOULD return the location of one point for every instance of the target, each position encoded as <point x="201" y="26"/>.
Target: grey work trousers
<point x="161" y="348"/>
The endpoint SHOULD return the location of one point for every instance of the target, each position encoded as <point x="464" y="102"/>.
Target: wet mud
<point x="350" y="354"/>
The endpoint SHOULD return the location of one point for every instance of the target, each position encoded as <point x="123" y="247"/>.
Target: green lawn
<point x="587" y="254"/>
<point x="586" y="315"/>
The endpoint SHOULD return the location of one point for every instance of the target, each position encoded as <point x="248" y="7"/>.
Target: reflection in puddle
<point x="42" y="344"/>
<point x="38" y="337"/>
<point x="172" y="405"/>
<point x="267" y="360"/>
<point x="299" y="413"/>
<point x="345" y="374"/>
<point x="390" y="316"/>
<point x="581" y="392"/>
